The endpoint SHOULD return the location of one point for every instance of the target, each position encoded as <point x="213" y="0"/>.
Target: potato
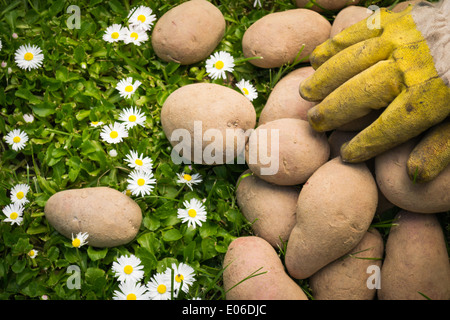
<point x="334" y="210"/>
<point x="285" y="101"/>
<point x="107" y="215"/>
<point x="403" y="5"/>
<point x="278" y="37"/>
<point x="286" y="151"/>
<point x="347" y="17"/>
<point x="247" y="256"/>
<point x="394" y="182"/>
<point x="416" y="261"/>
<point x="270" y="208"/>
<point x="207" y="123"/>
<point x="189" y="32"/>
<point x="347" y="277"/>
<point x="326" y="4"/>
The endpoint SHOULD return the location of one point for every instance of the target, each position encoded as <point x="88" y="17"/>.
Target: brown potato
<point x="347" y="17"/>
<point x="278" y="37"/>
<point x="189" y="32"/>
<point x="416" y="261"/>
<point x="347" y="277"/>
<point x="326" y="4"/>
<point x="108" y="216"/>
<point x="207" y="123"/>
<point x="285" y="101"/>
<point x="270" y="208"/>
<point x="334" y="210"/>
<point x="247" y="256"/>
<point x="394" y="182"/>
<point x="294" y="151"/>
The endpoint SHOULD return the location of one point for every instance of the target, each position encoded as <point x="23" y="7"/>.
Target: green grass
<point x="65" y="152"/>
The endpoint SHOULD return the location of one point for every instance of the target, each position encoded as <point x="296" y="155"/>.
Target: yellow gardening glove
<point x="402" y="66"/>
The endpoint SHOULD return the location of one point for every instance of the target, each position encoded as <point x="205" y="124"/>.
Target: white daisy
<point x="126" y="87"/>
<point x="114" y="133"/>
<point x="141" y="18"/>
<point x="13" y="212"/>
<point x="128" y="268"/>
<point x="135" y="36"/>
<point x="114" y="33"/>
<point x="29" y="57"/>
<point x="193" y="213"/>
<point x="113" y="153"/>
<point x="132" y="117"/>
<point x="33" y="253"/>
<point x="16" y="139"/>
<point x="159" y="286"/>
<point x="138" y="161"/>
<point x="188" y="179"/>
<point x="96" y="123"/>
<point x="218" y="64"/>
<point x="247" y="89"/>
<point x="28" y="118"/>
<point x="130" y="290"/>
<point x="183" y="276"/>
<point x="141" y="182"/>
<point x="80" y="239"/>
<point x="19" y="194"/>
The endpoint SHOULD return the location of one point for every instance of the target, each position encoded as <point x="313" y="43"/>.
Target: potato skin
<point x="189" y="32"/>
<point x="301" y="151"/>
<point x="247" y="255"/>
<point x="270" y="208"/>
<point x="216" y="107"/>
<point x="107" y="215"/>
<point x="346" y="277"/>
<point x="347" y="17"/>
<point x="327" y="4"/>
<point x="416" y="260"/>
<point x="278" y="37"/>
<point x="285" y="101"/>
<point x="334" y="210"/>
<point x="394" y="182"/>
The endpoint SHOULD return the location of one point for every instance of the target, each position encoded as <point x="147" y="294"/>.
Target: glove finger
<point x="411" y="113"/>
<point x="431" y="155"/>
<point x="357" y="97"/>
<point x="358" y="32"/>
<point x="343" y="66"/>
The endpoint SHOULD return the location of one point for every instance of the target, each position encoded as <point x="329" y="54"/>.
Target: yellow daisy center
<point x="141" y="182"/>
<point x="161" y="289"/>
<point x="134" y="35"/>
<point x="245" y="91"/>
<point x="192" y="213"/>
<point x="187" y="177"/>
<point x="16" y="139"/>
<point x="95" y="123"/>
<point x="139" y="162"/>
<point x="76" y="242"/>
<point x="20" y="195"/>
<point x="179" y="278"/>
<point x="13" y="215"/>
<point x="219" y="65"/>
<point x="114" y="134"/>
<point x="128" y="269"/>
<point x="131" y="296"/>
<point x="28" y="56"/>
<point x="31" y="253"/>
<point x="141" y="18"/>
<point x="129" y="88"/>
<point x="115" y="35"/>
<point x="132" y="118"/>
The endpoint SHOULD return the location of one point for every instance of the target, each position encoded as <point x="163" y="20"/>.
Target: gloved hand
<point x="403" y="66"/>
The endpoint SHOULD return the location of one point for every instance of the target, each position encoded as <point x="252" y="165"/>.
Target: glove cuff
<point x="432" y="20"/>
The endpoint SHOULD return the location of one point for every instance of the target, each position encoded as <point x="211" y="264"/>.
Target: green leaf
<point x="44" y="109"/>
<point x="172" y="235"/>
<point x="56" y="7"/>
<point x="27" y="95"/>
<point x="79" y="54"/>
<point x="95" y="255"/>
<point x="95" y="279"/>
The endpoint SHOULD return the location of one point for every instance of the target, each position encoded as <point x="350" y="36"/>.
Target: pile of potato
<point x="315" y="211"/>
